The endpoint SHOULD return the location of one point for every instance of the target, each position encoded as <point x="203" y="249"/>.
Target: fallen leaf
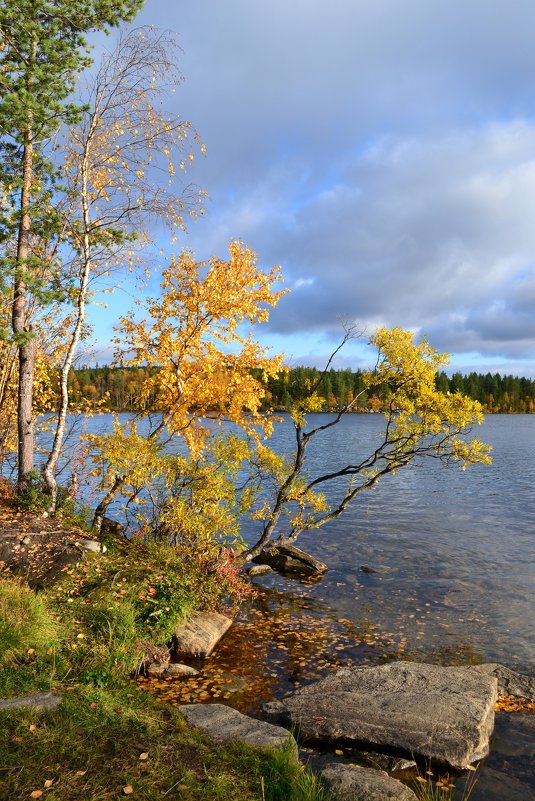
<point x="93" y="705"/>
<point x="32" y="727"/>
<point x="49" y="783"/>
<point x="36" y="794"/>
<point x="144" y="755"/>
<point x="128" y="790"/>
<point x="338" y="752"/>
<point x="80" y="772"/>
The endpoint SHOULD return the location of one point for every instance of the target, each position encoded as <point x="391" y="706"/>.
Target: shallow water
<point x="450" y="578"/>
<point x="453" y="551"/>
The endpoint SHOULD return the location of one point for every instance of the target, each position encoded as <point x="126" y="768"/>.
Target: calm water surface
<point x="453" y="551"/>
<point x="449" y="577"/>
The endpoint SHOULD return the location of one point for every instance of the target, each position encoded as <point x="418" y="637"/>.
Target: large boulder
<point x="353" y="783"/>
<point x="443" y="714"/>
<point x="199" y="636"/>
<point x="286" y="558"/>
<point x="224" y="724"/>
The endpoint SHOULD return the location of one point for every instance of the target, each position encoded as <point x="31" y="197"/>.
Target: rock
<point x="38" y="701"/>
<point x="509" y="682"/>
<point x="514" y="736"/>
<point x="155" y="659"/>
<point x="91" y="545"/>
<point x="492" y="785"/>
<point x="386" y="762"/>
<point x="110" y="526"/>
<point x="199" y="636"/>
<point x="444" y="714"/>
<point x="156" y="670"/>
<point x="176" y="669"/>
<point x="289" y="559"/>
<point x="224" y="724"/>
<point x="259" y="570"/>
<point x="353" y="783"/>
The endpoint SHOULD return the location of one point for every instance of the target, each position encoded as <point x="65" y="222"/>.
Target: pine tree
<point x="42" y="50"/>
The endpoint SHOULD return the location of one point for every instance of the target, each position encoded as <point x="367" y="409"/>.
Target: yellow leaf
<point x="128" y="790"/>
<point x="49" y="783"/>
<point x="144" y="755"/>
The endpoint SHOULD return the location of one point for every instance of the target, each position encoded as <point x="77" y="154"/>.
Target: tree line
<point x="120" y="389"/>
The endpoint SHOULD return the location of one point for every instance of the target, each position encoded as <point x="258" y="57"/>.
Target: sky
<point x="382" y="152"/>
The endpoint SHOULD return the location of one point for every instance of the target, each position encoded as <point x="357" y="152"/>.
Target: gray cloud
<point x="382" y="152"/>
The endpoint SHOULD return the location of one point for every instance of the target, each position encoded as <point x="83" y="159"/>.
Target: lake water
<point x="449" y="577"/>
<point x="449" y="554"/>
<point x="453" y="551"/>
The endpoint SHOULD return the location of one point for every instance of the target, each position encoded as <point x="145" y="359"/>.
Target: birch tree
<point x="124" y="167"/>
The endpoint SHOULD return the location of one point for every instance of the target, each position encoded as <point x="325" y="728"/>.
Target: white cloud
<point x="382" y="152"/>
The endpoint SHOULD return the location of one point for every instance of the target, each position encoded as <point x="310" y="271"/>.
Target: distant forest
<point x="119" y="389"/>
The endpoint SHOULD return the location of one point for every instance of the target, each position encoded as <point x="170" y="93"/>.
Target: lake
<point x="449" y="554"/>
<point x="449" y="577"/>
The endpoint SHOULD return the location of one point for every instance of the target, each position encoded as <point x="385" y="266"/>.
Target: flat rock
<point x="353" y="783"/>
<point x="492" y="785"/>
<point x="285" y="558"/>
<point x="224" y="724"/>
<point x="443" y="714"/>
<point x="176" y="669"/>
<point x="509" y="682"/>
<point x="38" y="701"/>
<point x="199" y="636"/>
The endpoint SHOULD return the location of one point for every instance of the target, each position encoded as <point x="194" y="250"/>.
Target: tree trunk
<point x="23" y="335"/>
<point x="52" y="461"/>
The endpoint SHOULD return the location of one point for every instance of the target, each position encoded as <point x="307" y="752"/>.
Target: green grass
<point x="26" y="622"/>
<point x="83" y="638"/>
<point x="90" y="747"/>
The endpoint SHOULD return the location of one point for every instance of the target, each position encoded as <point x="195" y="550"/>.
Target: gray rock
<point x="514" y="736"/>
<point x="444" y="714"/>
<point x="199" y="636"/>
<point x="156" y="669"/>
<point x="38" y="701"/>
<point x="492" y="785"/>
<point x="224" y="724"/>
<point x="91" y="545"/>
<point x="287" y="558"/>
<point x="509" y="682"/>
<point x="353" y="783"/>
<point x="176" y="669"/>
<point x="259" y="570"/>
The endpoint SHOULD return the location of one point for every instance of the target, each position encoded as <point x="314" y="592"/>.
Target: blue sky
<point x="382" y="152"/>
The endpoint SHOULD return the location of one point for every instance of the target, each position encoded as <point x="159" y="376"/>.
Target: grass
<point x="100" y="742"/>
<point x="108" y="739"/>
<point x="26" y="622"/>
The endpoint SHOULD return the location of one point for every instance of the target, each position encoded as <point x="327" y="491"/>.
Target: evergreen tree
<point x="42" y="50"/>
